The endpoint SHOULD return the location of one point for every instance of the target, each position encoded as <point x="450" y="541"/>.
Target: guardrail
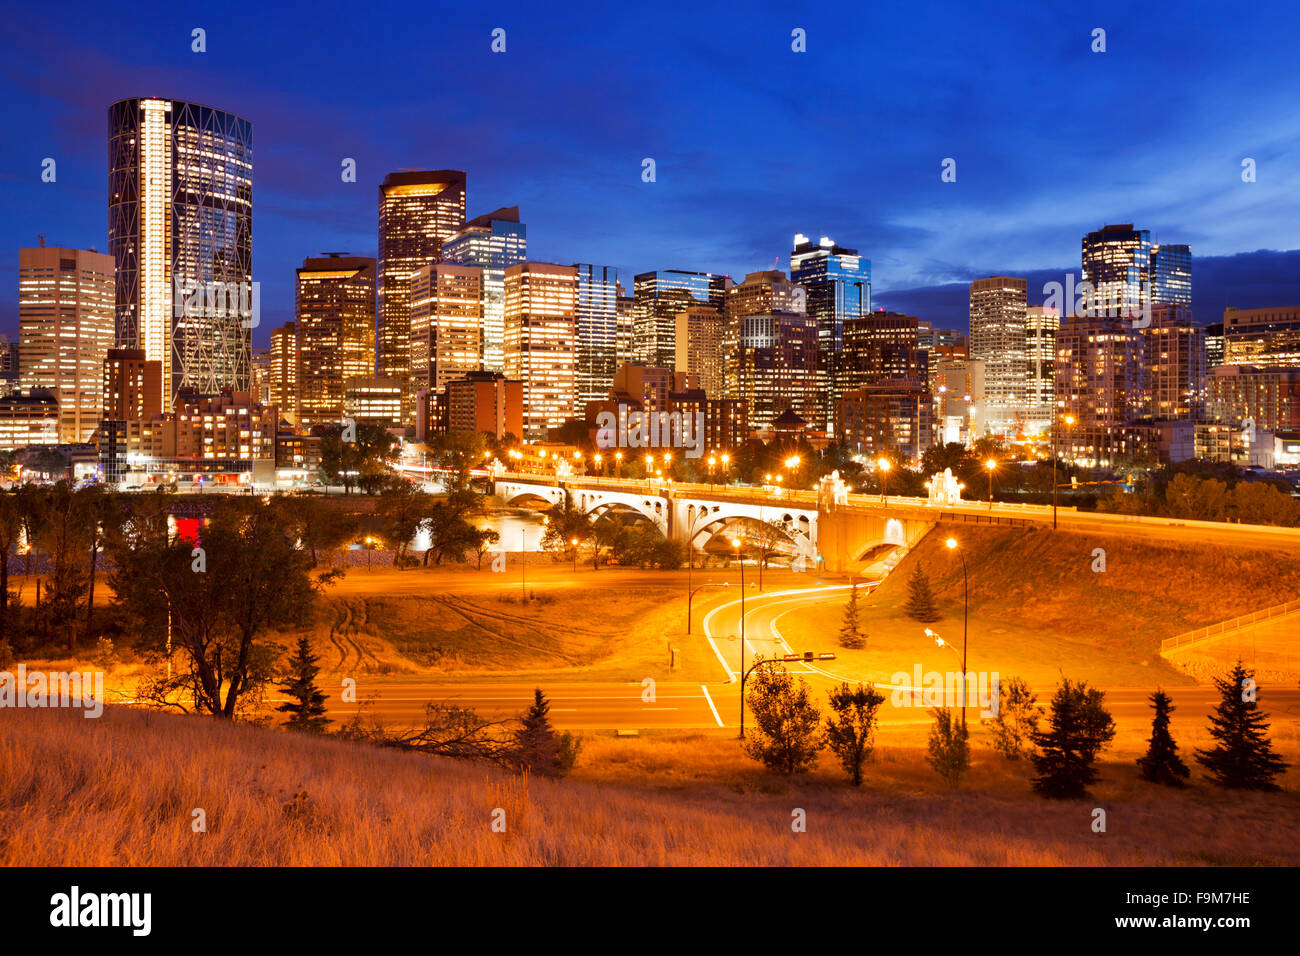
<point x="1182" y="642"/>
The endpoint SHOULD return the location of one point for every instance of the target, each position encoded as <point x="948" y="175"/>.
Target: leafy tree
<point x="1204" y="499"/>
<point x="1258" y="502"/>
<point x="402" y="510"/>
<point x="321" y="528"/>
<point x="851" y="635"/>
<point x="566" y="523"/>
<point x="1162" y="763"/>
<point x="361" y="463"/>
<point x="852" y="725"/>
<point x="247" y="576"/>
<point x="1016" y="722"/>
<point x="11" y="525"/>
<point x="952" y="455"/>
<point x="483" y="540"/>
<point x="69" y="577"/>
<point x="1243" y="757"/>
<point x="1078" y="728"/>
<point x="787" y="733"/>
<point x="306" y="709"/>
<point x="538" y="747"/>
<point x="949" y="747"/>
<point x="920" y="605"/>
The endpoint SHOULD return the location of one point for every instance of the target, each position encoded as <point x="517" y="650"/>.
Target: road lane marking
<point x="711" y="707"/>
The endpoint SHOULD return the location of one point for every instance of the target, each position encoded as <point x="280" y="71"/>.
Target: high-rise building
<point x="596" y="345"/>
<point x="1098" y="385"/>
<point x="132" y="386"/>
<point x="957" y="390"/>
<point x="446" y="325"/>
<point x="8" y="364"/>
<point x="65" y="329"/>
<point x="648" y="386"/>
<point x="659" y="296"/>
<point x="418" y="211"/>
<point x="881" y="347"/>
<point x="493" y="242"/>
<point x="1173" y="365"/>
<point x="701" y="336"/>
<point x="1117" y="266"/>
<point x="180" y="231"/>
<point x="1041" y="323"/>
<point x="1268" y="397"/>
<point x="284" y="371"/>
<point x="540" y="301"/>
<point x="1214" y="344"/>
<point x="773" y="368"/>
<point x="28" y="418"/>
<point x="998" y="324"/>
<point x="895" y="418"/>
<point x="374" y="400"/>
<point x="1268" y="337"/>
<point x="625" y="310"/>
<point x="260" y="371"/>
<point x="1171" y="275"/>
<point x="336" y="332"/>
<point x="485" y="402"/>
<point x="837" y="285"/>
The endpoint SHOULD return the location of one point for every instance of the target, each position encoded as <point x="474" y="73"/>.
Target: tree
<point x="483" y="540"/>
<point x="360" y="463"/>
<point x="787" y="734"/>
<point x="1016" y="721"/>
<point x="1243" y="758"/>
<point x="1162" y="763"/>
<point x="69" y="578"/>
<point x="851" y="635"/>
<point x="306" y="709"/>
<point x="402" y="509"/>
<point x="11" y="525"/>
<point x="851" y="727"/>
<point x="920" y="604"/>
<point x="949" y="747"/>
<point x="538" y="748"/>
<point x="1203" y="499"/>
<point x="1078" y="728"/>
<point x="222" y="594"/>
<point x="321" y="528"/>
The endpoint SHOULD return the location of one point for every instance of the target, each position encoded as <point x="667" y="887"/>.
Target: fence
<point x="1201" y="635"/>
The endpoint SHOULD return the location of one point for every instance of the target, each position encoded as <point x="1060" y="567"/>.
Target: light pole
<point x="805" y="657"/>
<point x="965" y="619"/>
<point x="726" y="469"/>
<point x="574" y="542"/>
<point x="690" y="599"/>
<point x="618" y="464"/>
<point x="1069" y="420"/>
<point x="735" y="543"/>
<point x="884" y="464"/>
<point x="712" y="461"/>
<point x="991" y="465"/>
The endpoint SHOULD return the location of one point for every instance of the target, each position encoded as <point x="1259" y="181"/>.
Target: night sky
<point x="752" y="141"/>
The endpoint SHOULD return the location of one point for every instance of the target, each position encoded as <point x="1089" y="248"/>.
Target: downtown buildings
<point x="335" y="329"/>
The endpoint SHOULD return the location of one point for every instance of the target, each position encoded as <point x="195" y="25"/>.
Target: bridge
<point x="845" y="532"/>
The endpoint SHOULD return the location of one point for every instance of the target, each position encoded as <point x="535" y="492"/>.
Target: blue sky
<point x="752" y="141"/>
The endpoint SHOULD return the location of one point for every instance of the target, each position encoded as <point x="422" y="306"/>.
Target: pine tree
<point x="306" y="708"/>
<point x="920" y="604"/>
<point x="851" y="635"/>
<point x="538" y="748"/>
<point x="1162" y="763"/>
<point x="1244" y="758"/>
<point x="1078" y="728"/>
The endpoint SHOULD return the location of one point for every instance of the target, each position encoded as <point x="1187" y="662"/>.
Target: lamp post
<point x="618" y="464"/>
<point x="712" y="461"/>
<point x="991" y="465"/>
<point x="726" y="471"/>
<point x="574" y="543"/>
<point x="690" y="599"/>
<point x="735" y="543"/>
<point x="1069" y="420"/>
<point x="965" y="619"/>
<point x="884" y="464"/>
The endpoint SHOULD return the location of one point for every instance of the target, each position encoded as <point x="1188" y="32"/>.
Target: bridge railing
<point x="1181" y="642"/>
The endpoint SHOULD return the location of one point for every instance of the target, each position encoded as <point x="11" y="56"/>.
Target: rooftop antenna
<point x="40" y="237"/>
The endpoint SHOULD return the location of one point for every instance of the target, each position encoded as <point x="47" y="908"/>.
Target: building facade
<point x="701" y="352"/>
<point x="596" y="330"/>
<point x="540" y="302"/>
<point x="493" y="243"/>
<point x="335" y="323"/>
<point x="998" y="328"/>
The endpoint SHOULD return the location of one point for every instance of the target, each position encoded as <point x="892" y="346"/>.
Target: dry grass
<point x="121" y="791"/>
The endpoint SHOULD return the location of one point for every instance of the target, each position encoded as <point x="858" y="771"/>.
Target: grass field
<point x="1037" y="608"/>
<point x="123" y="790"/>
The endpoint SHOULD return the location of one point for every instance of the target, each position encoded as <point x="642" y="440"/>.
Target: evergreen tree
<point x="851" y="635"/>
<point x="850" y="728"/>
<point x="1243" y="758"/>
<point x="538" y="748"/>
<point x="1162" y="763"/>
<point x="1078" y="728"/>
<point x="306" y="708"/>
<point x="949" y="750"/>
<point x="920" y="604"/>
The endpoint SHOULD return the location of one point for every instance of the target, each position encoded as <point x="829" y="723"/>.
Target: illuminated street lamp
<point x="991" y="465"/>
<point x="618" y="464"/>
<point x="574" y="542"/>
<point x="712" y="461"/>
<point x="884" y="464"/>
<point x="965" y="619"/>
<point x="726" y="473"/>
<point x="1069" y="420"/>
<point x="597" y="459"/>
<point x="735" y="544"/>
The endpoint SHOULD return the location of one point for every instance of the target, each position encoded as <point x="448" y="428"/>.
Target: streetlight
<point x="726" y="473"/>
<point x="618" y="464"/>
<point x="884" y="464"/>
<point x="712" y="461"/>
<point x="600" y="468"/>
<point x="991" y="465"/>
<point x="735" y="544"/>
<point x="965" y="618"/>
<point x="574" y="542"/>
<point x="1069" y="420"/>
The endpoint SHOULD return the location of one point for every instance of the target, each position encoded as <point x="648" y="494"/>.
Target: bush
<point x="949" y="747"/>
<point x="787" y="735"/>
<point x="1079" y="727"/>
<point x="1016" y="721"/>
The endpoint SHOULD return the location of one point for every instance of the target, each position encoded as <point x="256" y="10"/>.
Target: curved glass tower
<point x="180" y="228"/>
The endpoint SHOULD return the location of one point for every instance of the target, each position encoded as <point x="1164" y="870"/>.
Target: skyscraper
<point x="998" y="310"/>
<point x="837" y="284"/>
<point x="540" y="300"/>
<point x="773" y="367"/>
<point x="1098" y="384"/>
<point x="417" y="212"/>
<point x="284" y="371"/>
<point x="65" y="329"/>
<point x="1117" y="264"/>
<point x="881" y="347"/>
<point x="446" y="325"/>
<point x="596" y="343"/>
<point x="1041" y="323"/>
<point x="492" y="242"/>
<point x="1171" y="275"/>
<point x="180" y="227"/>
<point x="336" y="332"/>
<point x="701" y="338"/>
<point x="659" y="296"/>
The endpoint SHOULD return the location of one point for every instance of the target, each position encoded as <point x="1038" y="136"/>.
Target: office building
<point x="374" y="400"/>
<point x="283" y="377"/>
<point x="895" y="419"/>
<point x="486" y="403"/>
<point x="1267" y="397"/>
<point x="65" y="329"/>
<point x="880" y="347"/>
<point x="1268" y="337"/>
<point x="335" y="323"/>
<point x="28" y="418"/>
<point x="1171" y="275"/>
<point x="1173" y="365"/>
<point x="837" y="285"/>
<point x="701" y="340"/>
<point x="773" y="368"/>
<point x="1099" y="385"/>
<point x="180" y="227"/>
<point x="540" y="302"/>
<point x="596" y="329"/>
<point x="659" y="296"/>
<point x="493" y="243"/>
<point x="446" y="325"/>
<point x="998" y="328"/>
<point x="1041" y="323"/>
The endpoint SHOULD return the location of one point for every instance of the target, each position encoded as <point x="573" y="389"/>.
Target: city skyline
<point x="719" y="204"/>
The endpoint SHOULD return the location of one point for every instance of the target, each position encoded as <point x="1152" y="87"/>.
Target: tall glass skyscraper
<point x="493" y="242"/>
<point x="837" y="284"/>
<point x="335" y="333"/>
<point x="1117" y="264"/>
<point x="998" y="327"/>
<point x="596" y="343"/>
<point x="1171" y="275"/>
<point x="658" y="297"/>
<point x="417" y="212"/>
<point x="180" y="230"/>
